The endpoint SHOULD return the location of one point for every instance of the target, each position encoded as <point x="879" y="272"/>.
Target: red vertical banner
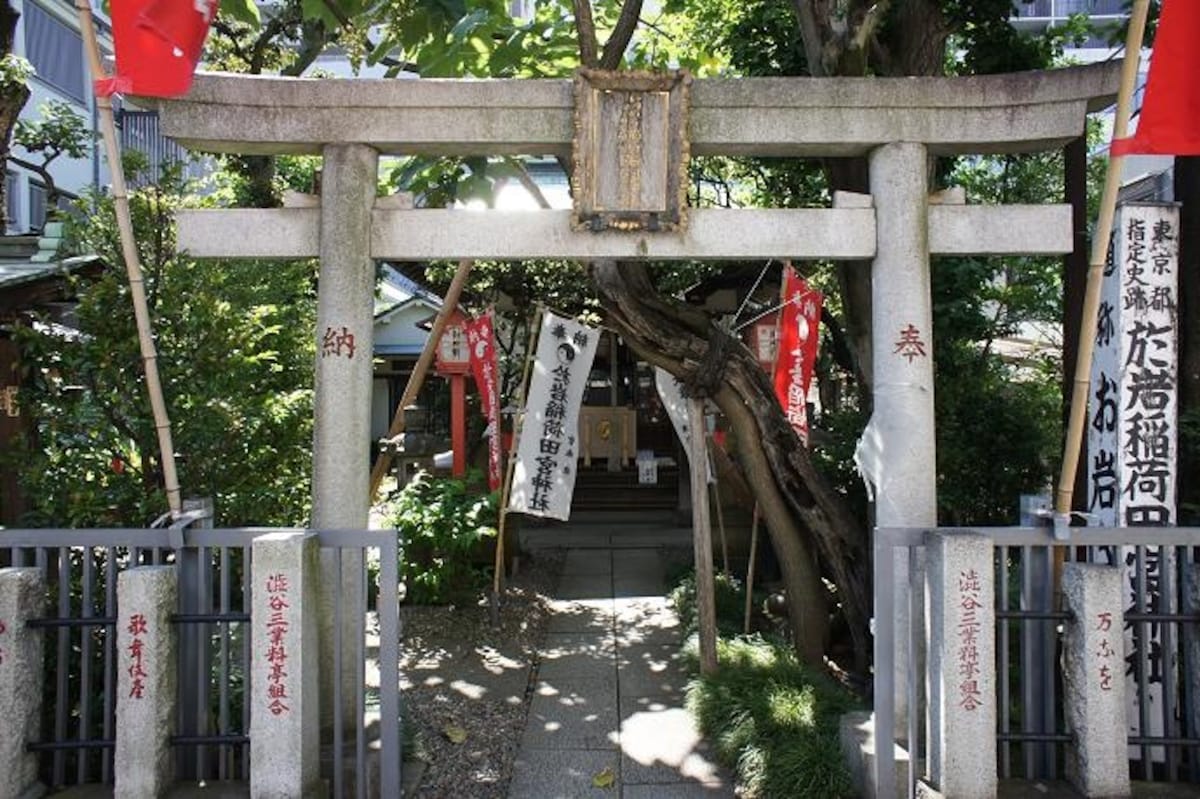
<point x="481" y="342"/>
<point x="1170" y="119"/>
<point x="800" y="320"/>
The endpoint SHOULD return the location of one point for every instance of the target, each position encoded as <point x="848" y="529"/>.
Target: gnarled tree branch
<point x="586" y="25"/>
<point x="627" y="23"/>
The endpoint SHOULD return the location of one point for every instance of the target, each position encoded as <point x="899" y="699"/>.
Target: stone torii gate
<point x="898" y="123"/>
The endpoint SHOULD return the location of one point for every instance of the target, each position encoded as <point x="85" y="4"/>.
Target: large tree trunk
<point x="788" y="488"/>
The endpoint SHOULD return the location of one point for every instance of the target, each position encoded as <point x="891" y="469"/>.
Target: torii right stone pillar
<point x="902" y="365"/>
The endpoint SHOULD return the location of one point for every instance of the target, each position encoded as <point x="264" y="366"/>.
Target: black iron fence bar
<point x="1044" y="536"/>
<point x="337" y="679"/>
<point x="1035" y="615"/>
<point x="1035" y="737"/>
<point x="1063" y="615"/>
<point x="884" y="654"/>
<point x="94" y="621"/>
<point x="389" y="662"/>
<point x="110" y="669"/>
<point x="62" y="683"/>
<point x="67" y="746"/>
<point x="1005" y="758"/>
<point x="85" y="667"/>
<point x="1150" y="740"/>
<point x="360" y="679"/>
<point x="1167" y="618"/>
<point x="147" y="538"/>
<point x="231" y="739"/>
<point x="95" y="537"/>
<point x="224" y="763"/>
<point x="1142" y="653"/>
<point x="209" y="618"/>
<point x="247" y="681"/>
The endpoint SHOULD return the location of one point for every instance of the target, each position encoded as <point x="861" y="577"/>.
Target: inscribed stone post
<point x="901" y="465"/>
<point x="284" y="703"/>
<point x="1094" y="681"/>
<point x="22" y="597"/>
<point x="342" y="396"/>
<point x="962" y="665"/>
<point x="147" y="597"/>
<point x="1132" y="433"/>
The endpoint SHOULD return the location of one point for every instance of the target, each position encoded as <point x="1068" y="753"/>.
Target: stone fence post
<point x="1094" y="680"/>
<point x="22" y="597"/>
<point x="147" y="597"/>
<point x="960" y="587"/>
<point x="285" y="704"/>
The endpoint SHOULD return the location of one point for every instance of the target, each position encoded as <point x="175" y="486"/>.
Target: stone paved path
<point x="609" y="692"/>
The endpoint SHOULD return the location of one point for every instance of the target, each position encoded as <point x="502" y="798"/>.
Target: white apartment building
<point x="48" y="36"/>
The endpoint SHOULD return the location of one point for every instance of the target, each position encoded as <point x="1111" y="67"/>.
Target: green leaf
<point x="604" y="779"/>
<point x="243" y="11"/>
<point x="322" y="10"/>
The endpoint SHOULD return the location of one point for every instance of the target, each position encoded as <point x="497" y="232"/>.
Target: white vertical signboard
<point x="1132" y="427"/>
<point x="544" y="473"/>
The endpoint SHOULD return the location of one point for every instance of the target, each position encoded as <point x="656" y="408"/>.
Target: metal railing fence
<point x="1162" y="618"/>
<point x="213" y="615"/>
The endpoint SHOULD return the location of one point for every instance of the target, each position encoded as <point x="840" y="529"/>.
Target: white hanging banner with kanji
<point x="544" y="473"/>
<point x="671" y="393"/>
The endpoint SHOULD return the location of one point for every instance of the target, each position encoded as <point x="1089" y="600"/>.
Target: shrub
<point x="442" y="525"/>
<point x="772" y="719"/>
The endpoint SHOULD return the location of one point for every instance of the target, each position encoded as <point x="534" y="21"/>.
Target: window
<point x="12" y="200"/>
<point x="55" y="50"/>
<point x="37" y="205"/>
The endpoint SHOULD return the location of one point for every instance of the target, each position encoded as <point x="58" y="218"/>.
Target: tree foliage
<point x="58" y="132"/>
<point x="235" y="354"/>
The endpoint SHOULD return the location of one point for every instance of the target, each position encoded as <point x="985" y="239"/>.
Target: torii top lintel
<point x="798" y="117"/>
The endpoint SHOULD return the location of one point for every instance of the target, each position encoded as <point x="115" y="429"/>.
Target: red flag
<point x="158" y="44"/>
<point x="481" y="342"/>
<point x="1170" y="118"/>
<point x="797" y="354"/>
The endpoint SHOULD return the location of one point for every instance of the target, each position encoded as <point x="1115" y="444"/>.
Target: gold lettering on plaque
<point x="629" y="151"/>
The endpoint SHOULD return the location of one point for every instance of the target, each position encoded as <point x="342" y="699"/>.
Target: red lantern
<point x="453" y="357"/>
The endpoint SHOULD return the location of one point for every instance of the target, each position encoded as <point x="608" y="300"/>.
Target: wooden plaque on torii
<point x="631" y="150"/>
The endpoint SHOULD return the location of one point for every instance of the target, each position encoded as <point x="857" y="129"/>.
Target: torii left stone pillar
<point x="342" y="394"/>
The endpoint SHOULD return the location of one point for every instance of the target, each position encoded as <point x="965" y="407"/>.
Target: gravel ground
<point x="466" y="683"/>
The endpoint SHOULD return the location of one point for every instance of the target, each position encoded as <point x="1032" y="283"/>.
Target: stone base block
<point x="350" y="773"/>
<point x="858" y="750"/>
<point x="927" y="791"/>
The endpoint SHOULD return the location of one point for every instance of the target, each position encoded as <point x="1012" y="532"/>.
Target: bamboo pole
<point x="1091" y="301"/>
<point x="417" y="378"/>
<point x="519" y="423"/>
<point x="715" y="490"/>
<point x="702" y="541"/>
<point x="133" y="266"/>
<point x="750" y="571"/>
